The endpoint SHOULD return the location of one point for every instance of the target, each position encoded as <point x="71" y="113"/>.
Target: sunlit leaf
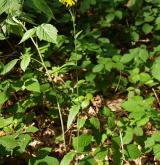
<point x="25" y="61"/>
<point x="47" y="32"/>
<point x="72" y="114"/>
<point x="4" y="96"/>
<point x="32" y="85"/>
<point x="68" y="158"/>
<point x="28" y="34"/>
<point x="81" y="142"/>
<point x="8" y="67"/>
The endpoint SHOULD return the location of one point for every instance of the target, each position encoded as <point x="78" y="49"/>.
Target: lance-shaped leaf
<point x="44" y="8"/>
<point x="28" y="34"/>
<point x="72" y="114"/>
<point x="8" y="67"/>
<point x="68" y="158"/>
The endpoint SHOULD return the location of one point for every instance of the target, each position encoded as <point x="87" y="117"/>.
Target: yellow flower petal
<point x="68" y="3"/>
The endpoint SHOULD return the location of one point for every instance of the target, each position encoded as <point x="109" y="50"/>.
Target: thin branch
<point x="156" y="96"/>
<point x="122" y="147"/>
<point x="120" y="76"/>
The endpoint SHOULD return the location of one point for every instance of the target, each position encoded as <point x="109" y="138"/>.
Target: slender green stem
<point x="122" y="147"/>
<point x="156" y="96"/>
<point x="36" y="61"/>
<point x="73" y="16"/>
<point x="120" y="76"/>
<point x="62" y="123"/>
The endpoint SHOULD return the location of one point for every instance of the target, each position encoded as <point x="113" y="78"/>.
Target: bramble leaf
<point x="81" y="142"/>
<point x="47" y="32"/>
<point x="26" y="58"/>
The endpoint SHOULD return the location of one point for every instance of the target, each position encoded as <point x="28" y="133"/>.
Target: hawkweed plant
<point x="70" y="4"/>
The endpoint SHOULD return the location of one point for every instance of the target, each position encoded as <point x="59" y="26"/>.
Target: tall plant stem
<point x="75" y="42"/>
<point x="73" y="16"/>
<point x="50" y="80"/>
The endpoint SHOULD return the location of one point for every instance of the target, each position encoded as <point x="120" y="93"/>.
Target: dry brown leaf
<point x="2" y="133"/>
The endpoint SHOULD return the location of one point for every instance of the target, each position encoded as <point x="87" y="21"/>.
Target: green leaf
<point x="143" y="121"/>
<point x="142" y="54"/>
<point x="32" y="129"/>
<point x="80" y="123"/>
<point x="147" y="28"/>
<point x="72" y="114"/>
<point x="127" y="58"/>
<point x="2" y="36"/>
<point x="26" y="58"/>
<point x="47" y="32"/>
<point x="98" y="68"/>
<point x="138" y="131"/>
<point x="28" y="34"/>
<point x="106" y="111"/>
<point x="134" y="104"/>
<point x="144" y="77"/>
<point x="116" y="150"/>
<point x="133" y="152"/>
<point x="77" y="35"/>
<point x="134" y="36"/>
<point x="5" y="122"/>
<point x="45" y="151"/>
<point x="134" y="4"/>
<point x="88" y="160"/>
<point x="85" y="103"/>
<point x="43" y="158"/>
<point x="157" y="155"/>
<point x="101" y="154"/>
<point x="68" y="158"/>
<point x="156" y="136"/>
<point x="119" y="14"/>
<point x="149" y="143"/>
<point x="81" y="142"/>
<point x="32" y="85"/>
<point x="134" y="75"/>
<point x="95" y="123"/>
<point x="130" y="3"/>
<point x="155" y="69"/>
<point x="156" y="150"/>
<point x="43" y="7"/>
<point x="108" y="66"/>
<point x="8" y="142"/>
<point x="23" y="141"/>
<point x="4" y="5"/>
<point x="4" y="96"/>
<point x="46" y="160"/>
<point x="128" y="136"/>
<point x="8" y="67"/>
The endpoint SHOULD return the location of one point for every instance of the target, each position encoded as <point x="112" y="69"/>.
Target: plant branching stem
<point x="50" y="80"/>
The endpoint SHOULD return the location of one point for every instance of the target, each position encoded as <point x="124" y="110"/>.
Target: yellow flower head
<point x="68" y="3"/>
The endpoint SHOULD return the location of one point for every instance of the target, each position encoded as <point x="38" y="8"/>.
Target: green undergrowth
<point x="59" y="68"/>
